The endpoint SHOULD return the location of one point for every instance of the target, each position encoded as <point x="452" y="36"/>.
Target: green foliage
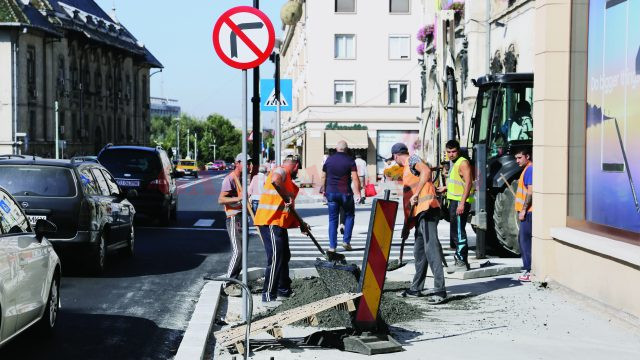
<point x="215" y="129"/>
<point x="336" y="126"/>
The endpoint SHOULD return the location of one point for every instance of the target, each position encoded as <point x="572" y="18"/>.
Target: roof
<point x="128" y="147"/>
<point x="40" y="161"/>
<point x="504" y="78"/>
<point x="84" y="17"/>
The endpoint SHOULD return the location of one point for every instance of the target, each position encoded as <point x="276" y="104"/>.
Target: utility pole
<point x="178" y="138"/>
<point x="255" y="100"/>
<point x="188" y="143"/>
<point x="195" y="139"/>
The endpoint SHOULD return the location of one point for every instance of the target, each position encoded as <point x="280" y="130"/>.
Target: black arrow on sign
<point x="234" y="37"/>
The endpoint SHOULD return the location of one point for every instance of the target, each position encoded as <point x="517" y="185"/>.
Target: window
<point x="399" y="6"/>
<point x="88" y="183"/>
<point x="344" y="92"/>
<point x="399" y="47"/>
<point x="113" y="187"/>
<point x="345" y="46"/>
<point x="102" y="183"/>
<point x="40" y="181"/>
<point x="398" y="92"/>
<point x="31" y="72"/>
<point x="345" y="6"/>
<point x="12" y="220"/>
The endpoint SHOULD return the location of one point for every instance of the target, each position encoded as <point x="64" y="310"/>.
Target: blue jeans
<point x="524" y="238"/>
<point x="335" y="202"/>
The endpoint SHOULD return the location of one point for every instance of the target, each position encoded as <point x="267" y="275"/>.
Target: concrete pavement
<point x="489" y="318"/>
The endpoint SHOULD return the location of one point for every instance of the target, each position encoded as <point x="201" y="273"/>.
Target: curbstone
<point x="195" y="336"/>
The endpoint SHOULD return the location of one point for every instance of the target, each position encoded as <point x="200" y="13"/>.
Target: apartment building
<point x="356" y="77"/>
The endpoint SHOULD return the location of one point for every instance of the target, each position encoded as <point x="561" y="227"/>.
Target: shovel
<point x="304" y="227"/>
<point x="397" y="264"/>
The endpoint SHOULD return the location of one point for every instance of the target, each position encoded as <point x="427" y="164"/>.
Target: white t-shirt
<point x="361" y="166"/>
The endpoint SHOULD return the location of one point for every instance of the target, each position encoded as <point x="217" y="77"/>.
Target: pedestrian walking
<point x="460" y="191"/>
<point x="421" y="209"/>
<point x="524" y="208"/>
<point x="256" y="187"/>
<point x="337" y="174"/>
<point x="273" y="219"/>
<point x="361" y="167"/>
<point x="231" y="198"/>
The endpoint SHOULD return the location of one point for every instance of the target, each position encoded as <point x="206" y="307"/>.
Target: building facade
<point x="353" y="80"/>
<point x="163" y="107"/>
<point x="73" y="55"/>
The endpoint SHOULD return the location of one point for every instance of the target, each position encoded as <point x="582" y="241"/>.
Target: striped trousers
<point x="234" y="228"/>
<point x="276" y="274"/>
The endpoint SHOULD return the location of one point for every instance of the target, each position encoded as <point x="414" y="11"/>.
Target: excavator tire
<point x="506" y="220"/>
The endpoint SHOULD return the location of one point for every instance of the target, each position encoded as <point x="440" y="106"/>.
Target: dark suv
<point x="149" y="172"/>
<point x="92" y="214"/>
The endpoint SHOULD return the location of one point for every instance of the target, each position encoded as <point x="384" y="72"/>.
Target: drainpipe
<point x="15" y="96"/>
<point x="488" y="39"/>
<point x="452" y="106"/>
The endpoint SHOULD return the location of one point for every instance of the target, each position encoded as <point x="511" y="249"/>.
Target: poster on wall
<point x="613" y="115"/>
<point x="386" y="139"/>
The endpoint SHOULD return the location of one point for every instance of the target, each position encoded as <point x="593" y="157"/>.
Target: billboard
<point x="613" y="114"/>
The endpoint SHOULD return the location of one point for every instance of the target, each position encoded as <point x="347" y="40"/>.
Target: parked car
<point x="92" y="214"/>
<point x="29" y="272"/>
<point x="148" y="171"/>
<point x="187" y="167"/>
<point x="230" y="165"/>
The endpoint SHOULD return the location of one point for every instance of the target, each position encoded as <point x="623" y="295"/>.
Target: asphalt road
<point x="140" y="308"/>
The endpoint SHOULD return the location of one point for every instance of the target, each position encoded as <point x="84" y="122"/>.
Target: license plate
<point x="128" y="183"/>
<point x="34" y="218"/>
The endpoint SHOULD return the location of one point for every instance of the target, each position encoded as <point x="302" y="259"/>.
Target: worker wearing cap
<point x="460" y="191"/>
<point x="273" y="219"/>
<point x="421" y="209"/>
<point x="524" y="208"/>
<point x="231" y="198"/>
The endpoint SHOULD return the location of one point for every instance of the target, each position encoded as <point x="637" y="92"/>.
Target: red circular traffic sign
<point x="243" y="37"/>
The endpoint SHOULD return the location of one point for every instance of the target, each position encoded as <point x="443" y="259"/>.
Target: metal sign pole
<point x="57" y="126"/>
<point x="245" y="251"/>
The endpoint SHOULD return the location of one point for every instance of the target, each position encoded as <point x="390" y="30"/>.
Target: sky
<point x="179" y="34"/>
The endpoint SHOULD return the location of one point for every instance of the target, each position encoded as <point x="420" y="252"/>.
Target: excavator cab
<point x="501" y="124"/>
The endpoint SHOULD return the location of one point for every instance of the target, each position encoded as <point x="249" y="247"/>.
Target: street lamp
<point x="177" y="138"/>
<point x="214" y="149"/>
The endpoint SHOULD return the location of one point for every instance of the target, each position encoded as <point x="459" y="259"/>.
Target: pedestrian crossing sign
<point x="268" y="95"/>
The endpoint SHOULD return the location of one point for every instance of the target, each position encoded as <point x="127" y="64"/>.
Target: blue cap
<point x="398" y="148"/>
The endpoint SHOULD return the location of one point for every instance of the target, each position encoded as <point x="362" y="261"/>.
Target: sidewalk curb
<point x="195" y="336"/>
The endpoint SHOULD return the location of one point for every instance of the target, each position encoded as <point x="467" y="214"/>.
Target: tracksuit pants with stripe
<point x="234" y="228"/>
<point x="457" y="232"/>
<point x="276" y="274"/>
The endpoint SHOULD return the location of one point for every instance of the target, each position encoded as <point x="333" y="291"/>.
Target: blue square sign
<point x="268" y="100"/>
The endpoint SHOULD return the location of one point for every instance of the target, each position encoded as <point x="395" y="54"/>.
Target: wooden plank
<point x="351" y="306"/>
<point x="235" y="335"/>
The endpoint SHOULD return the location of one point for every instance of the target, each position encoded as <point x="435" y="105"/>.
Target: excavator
<point x="500" y="124"/>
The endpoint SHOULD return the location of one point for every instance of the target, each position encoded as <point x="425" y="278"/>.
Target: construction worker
<point x="524" y="208"/>
<point x="273" y="219"/>
<point x="231" y="198"/>
<point x="460" y="191"/>
<point x="421" y="207"/>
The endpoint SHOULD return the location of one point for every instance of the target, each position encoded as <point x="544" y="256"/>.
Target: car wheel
<point x="50" y="315"/>
<point x="99" y="258"/>
<point x="129" y="251"/>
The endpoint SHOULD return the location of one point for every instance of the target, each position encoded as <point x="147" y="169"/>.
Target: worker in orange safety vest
<point x="524" y="208"/>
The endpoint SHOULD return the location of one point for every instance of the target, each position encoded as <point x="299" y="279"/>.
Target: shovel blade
<point x="395" y="265"/>
<point x="334" y="256"/>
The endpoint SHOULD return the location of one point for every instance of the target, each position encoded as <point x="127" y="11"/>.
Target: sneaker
<point x="525" y="277"/>
<point x="411" y="293"/>
<point x="460" y="266"/>
<point x="271" y="304"/>
<point x="347" y="246"/>
<point x="331" y="250"/>
<point x="285" y="294"/>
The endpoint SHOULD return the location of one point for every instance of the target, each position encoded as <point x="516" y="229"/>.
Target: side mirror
<point x="45" y="228"/>
<point x="132" y="194"/>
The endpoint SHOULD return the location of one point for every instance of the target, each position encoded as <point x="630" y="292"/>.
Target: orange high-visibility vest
<point x="235" y="208"/>
<point x="271" y="209"/>
<point x="427" y="198"/>
<point x="521" y="194"/>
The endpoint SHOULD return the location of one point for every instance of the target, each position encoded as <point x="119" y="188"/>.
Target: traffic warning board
<point x="268" y="95"/>
<point x="243" y="37"/>
<point x="383" y="219"/>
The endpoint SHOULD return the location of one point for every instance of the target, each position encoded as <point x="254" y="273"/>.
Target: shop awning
<point x="356" y="139"/>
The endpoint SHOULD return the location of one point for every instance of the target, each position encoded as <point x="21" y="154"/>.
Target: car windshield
<point x="130" y="161"/>
<point x="188" y="163"/>
<point x="31" y="180"/>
